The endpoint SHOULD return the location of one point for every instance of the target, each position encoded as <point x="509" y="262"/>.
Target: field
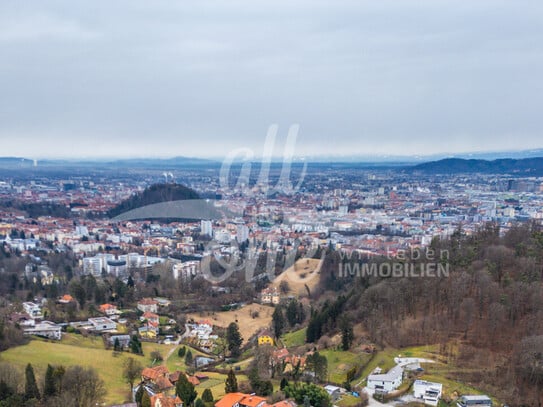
<point x="339" y="362"/>
<point x="303" y="272"/>
<point x="88" y="352"/>
<point x="295" y="338"/>
<point x="216" y="383"/>
<point x="248" y="326"/>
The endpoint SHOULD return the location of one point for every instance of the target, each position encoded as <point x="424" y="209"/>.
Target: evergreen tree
<point x="50" y="386"/>
<point x="181" y="351"/>
<point x="135" y="345"/>
<point x="117" y="345"/>
<point x="139" y="395"/>
<point x="185" y="390"/>
<point x="278" y="321"/>
<point x="231" y="383"/>
<point x="234" y="339"/>
<point x="58" y="374"/>
<point x="5" y="390"/>
<point x="300" y="316"/>
<point x="318" y="364"/>
<point x="292" y="312"/>
<point x="347" y="334"/>
<point x="284" y="383"/>
<point x="145" y="400"/>
<point x="207" y="396"/>
<point x="188" y="359"/>
<point x="31" y="387"/>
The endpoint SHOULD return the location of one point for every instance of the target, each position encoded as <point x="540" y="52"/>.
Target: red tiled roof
<point x="166" y="401"/>
<point x="163" y="383"/>
<point x="230" y="399"/>
<point x="153" y="373"/>
<point x="147" y="301"/>
<point x="252" y="401"/>
<point x="193" y="380"/>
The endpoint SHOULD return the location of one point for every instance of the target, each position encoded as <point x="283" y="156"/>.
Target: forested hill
<point x="524" y="166"/>
<point x="486" y="314"/>
<point x="154" y="194"/>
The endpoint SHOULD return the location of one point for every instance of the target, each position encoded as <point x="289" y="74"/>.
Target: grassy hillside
<point x="76" y="350"/>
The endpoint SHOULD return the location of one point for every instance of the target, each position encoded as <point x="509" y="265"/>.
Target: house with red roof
<point x="148" y="305"/>
<point x="108" y="309"/>
<point x="163" y="400"/>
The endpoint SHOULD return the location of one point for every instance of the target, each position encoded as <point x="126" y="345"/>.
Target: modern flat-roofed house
<point x="386" y="382"/>
<point x="32" y="309"/>
<point x="474" y="400"/>
<point x="124" y="340"/>
<point x="102" y="324"/>
<point x="45" y="328"/>
<point x="429" y="392"/>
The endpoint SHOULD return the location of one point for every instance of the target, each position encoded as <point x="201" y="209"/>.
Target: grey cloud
<point x="203" y="77"/>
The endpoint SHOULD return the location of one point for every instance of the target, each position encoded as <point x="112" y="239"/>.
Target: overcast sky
<point x="202" y="78"/>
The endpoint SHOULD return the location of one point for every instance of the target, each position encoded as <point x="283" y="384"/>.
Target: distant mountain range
<point x="527" y="162"/>
<point x="524" y="166"/>
<point x="20" y="162"/>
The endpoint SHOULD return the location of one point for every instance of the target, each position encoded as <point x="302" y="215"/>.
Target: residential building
<point x="163" y="400"/>
<point x="32" y="309"/>
<point x="148" y="305"/>
<point x="124" y="340"/>
<point x="241" y="400"/>
<point x="45" y="328"/>
<point x="186" y="270"/>
<point x="386" y="382"/>
<point x="206" y="228"/>
<point x="66" y="299"/>
<point x="242" y="233"/>
<point x="333" y="391"/>
<point x="474" y="400"/>
<point x="100" y="324"/>
<point x="270" y="295"/>
<point x="429" y="392"/>
<point x="108" y="309"/>
<point x="265" y="338"/>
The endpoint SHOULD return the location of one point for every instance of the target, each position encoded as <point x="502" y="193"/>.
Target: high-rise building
<point x="206" y="228"/>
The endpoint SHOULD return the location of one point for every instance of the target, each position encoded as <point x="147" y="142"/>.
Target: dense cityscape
<point x="233" y="290"/>
<point x="304" y="203"/>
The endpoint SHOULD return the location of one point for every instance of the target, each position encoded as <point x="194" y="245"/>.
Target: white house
<point x="148" y="305"/>
<point x="45" y="328"/>
<point x="429" y="392"/>
<point x="102" y="324"/>
<point x="32" y="309"/>
<point x="386" y="382"/>
<point x="186" y="270"/>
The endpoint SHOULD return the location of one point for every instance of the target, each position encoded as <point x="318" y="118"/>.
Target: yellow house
<point x="265" y="338"/>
